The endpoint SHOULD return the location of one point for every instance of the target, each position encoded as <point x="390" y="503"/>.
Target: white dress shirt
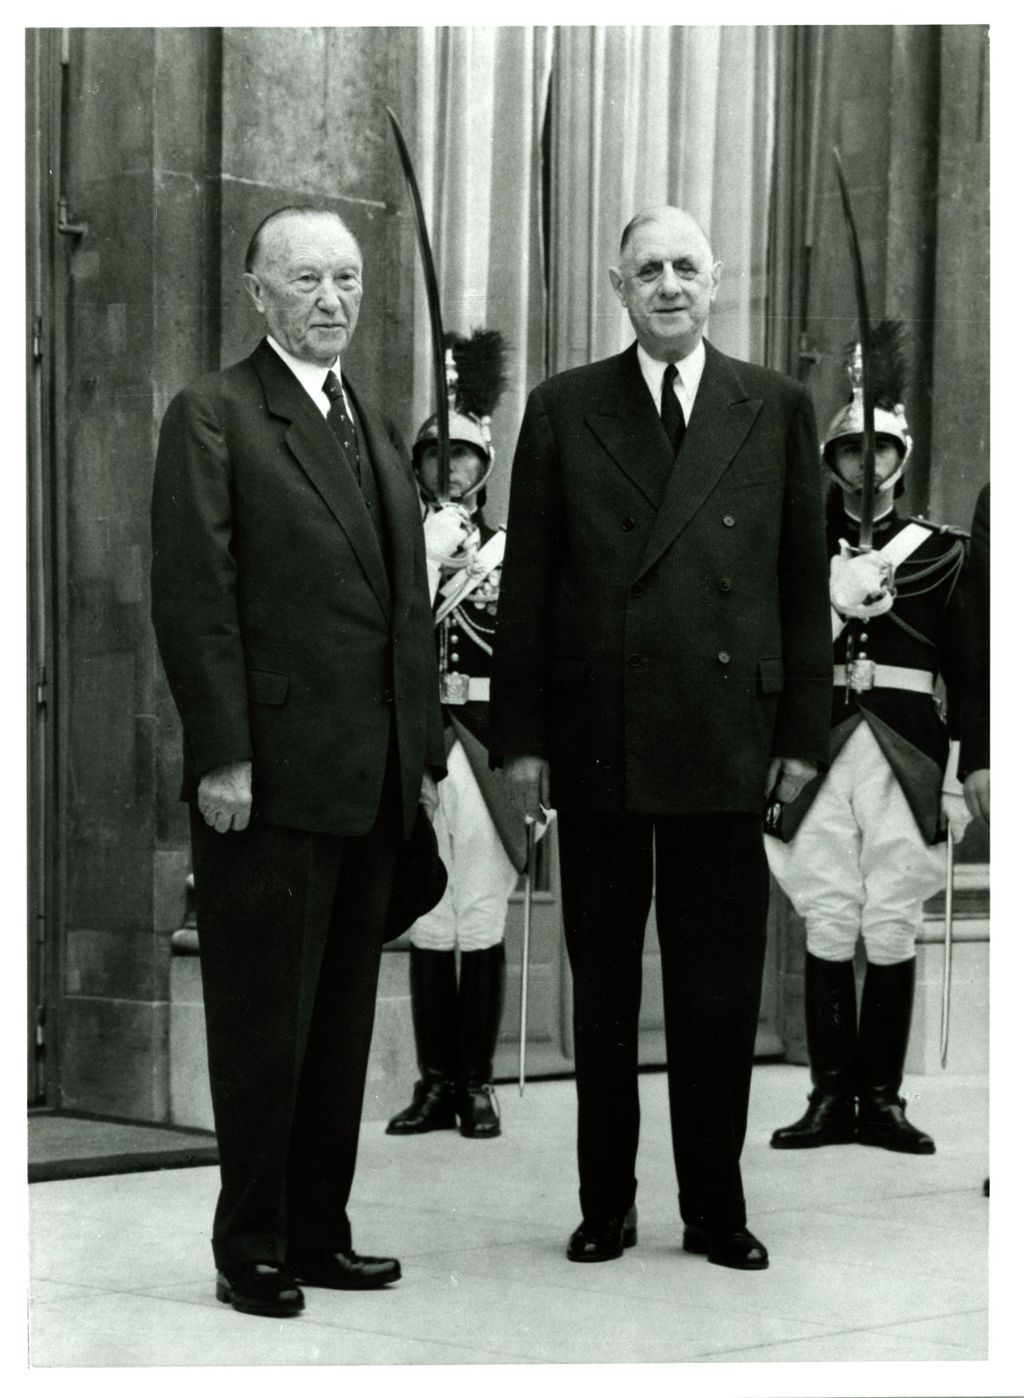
<point x="686" y="385"/>
<point x="311" y="377"/>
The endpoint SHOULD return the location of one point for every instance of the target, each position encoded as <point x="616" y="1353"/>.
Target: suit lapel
<point x="314" y="447"/>
<point x="722" y="417"/>
<point x="630" y="429"/>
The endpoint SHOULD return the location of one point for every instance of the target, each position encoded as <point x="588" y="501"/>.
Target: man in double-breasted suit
<point x="291" y="610"/>
<point x="663" y="658"/>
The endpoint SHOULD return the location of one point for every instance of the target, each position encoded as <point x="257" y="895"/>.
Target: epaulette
<point x="953" y="530"/>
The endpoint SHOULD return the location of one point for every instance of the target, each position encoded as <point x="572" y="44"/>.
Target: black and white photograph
<point x="507" y="838"/>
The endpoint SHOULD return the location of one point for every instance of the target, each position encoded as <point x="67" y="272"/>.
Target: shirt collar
<point x="310" y="376"/>
<point x="690" y="370"/>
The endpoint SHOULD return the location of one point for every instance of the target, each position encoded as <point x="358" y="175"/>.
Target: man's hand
<point x="225" y="796"/>
<point x="792" y="775"/>
<point x="956" y="813"/>
<point x="528" y="783"/>
<point x="976" y="793"/>
<point x="429" y="798"/>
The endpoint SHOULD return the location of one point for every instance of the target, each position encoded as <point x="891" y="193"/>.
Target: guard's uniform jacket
<point x="923" y="635"/>
<point x="465" y="636"/>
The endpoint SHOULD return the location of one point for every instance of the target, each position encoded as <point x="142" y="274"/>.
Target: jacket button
<point x="728" y="521"/>
<point x="387" y="697"/>
<point x="725" y="584"/>
<point x="628" y="523"/>
<point x="724" y="657"/>
<point x="638" y="589"/>
<point x="634" y="661"/>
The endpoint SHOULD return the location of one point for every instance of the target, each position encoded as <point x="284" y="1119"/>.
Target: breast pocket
<point x="755" y="477"/>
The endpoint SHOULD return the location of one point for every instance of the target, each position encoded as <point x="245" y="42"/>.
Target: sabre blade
<point x="444" y="451"/>
<point x="947" y="953"/>
<point x="867" y="498"/>
<point x="525" y="978"/>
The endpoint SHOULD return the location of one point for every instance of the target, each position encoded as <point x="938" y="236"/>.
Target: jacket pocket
<point x="568" y="675"/>
<point x="770" y="674"/>
<point x="267" y="686"/>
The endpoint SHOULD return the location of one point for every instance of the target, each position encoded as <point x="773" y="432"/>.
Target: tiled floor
<point x="875" y="1256"/>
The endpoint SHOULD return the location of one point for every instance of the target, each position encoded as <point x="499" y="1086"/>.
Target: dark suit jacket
<point x="284" y="638"/>
<point x="974" y="722"/>
<point x="658" y="651"/>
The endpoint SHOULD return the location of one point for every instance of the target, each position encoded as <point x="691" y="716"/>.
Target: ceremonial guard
<point x="457" y="1008"/>
<point x="859" y="850"/>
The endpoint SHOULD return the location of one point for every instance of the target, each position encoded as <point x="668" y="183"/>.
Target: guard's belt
<point x="465" y="689"/>
<point x="892" y="677"/>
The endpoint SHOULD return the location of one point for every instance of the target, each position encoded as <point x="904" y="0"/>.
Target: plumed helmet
<point x="476" y="380"/>
<point x="461" y="428"/>
<point x="888" y="372"/>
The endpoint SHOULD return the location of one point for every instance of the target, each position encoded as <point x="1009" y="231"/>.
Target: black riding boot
<point x="886" y="1007"/>
<point x="830" y="1003"/>
<point x="435" y="1020"/>
<point x="481" y="1000"/>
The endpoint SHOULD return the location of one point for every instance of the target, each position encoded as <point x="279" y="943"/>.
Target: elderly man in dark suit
<point x="663" y="660"/>
<point x="291" y="610"/>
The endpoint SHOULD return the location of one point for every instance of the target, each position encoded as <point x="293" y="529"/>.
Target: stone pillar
<point x="138" y="148"/>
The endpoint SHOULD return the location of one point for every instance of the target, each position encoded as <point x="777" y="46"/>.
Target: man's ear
<point x="716" y="276"/>
<point x="617" y="280"/>
<point x="255" y="290"/>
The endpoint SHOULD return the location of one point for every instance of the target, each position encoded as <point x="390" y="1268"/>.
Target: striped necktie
<point x="344" y="428"/>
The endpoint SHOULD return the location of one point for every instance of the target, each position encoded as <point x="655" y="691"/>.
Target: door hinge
<point x="64" y="224"/>
<point x="40" y="1028"/>
<point x="37" y="338"/>
<point x="41" y="682"/>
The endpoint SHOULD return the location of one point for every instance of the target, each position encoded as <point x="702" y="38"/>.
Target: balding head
<point x="663" y="213"/>
<point x="269" y="228"/>
<point x="305" y="277"/>
<point x="667" y="279"/>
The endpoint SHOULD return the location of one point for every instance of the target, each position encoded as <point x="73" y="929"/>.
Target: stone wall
<point x="178" y="142"/>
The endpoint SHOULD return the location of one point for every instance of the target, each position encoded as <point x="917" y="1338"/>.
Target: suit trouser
<point x="711" y="904"/>
<point x="290" y="933"/>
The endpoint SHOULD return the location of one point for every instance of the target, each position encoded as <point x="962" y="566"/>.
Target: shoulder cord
<point x="952" y="561"/>
<point x="473" y="632"/>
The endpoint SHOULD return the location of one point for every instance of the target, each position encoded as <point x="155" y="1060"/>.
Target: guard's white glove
<point x="445" y="530"/>
<point x="957" y="816"/>
<point x="860" y="584"/>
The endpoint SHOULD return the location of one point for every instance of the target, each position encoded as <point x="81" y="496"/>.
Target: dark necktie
<point x="671" y="411"/>
<point x="338" y="417"/>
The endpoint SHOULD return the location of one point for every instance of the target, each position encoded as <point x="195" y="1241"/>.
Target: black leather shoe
<point x="882" y="1121"/>
<point x="479" y="1117"/>
<point x="739" y="1249"/>
<point x="432" y="1109"/>
<point x="345" y="1271"/>
<point x="602" y="1242"/>
<point x="260" y="1288"/>
<point x="828" y="1121"/>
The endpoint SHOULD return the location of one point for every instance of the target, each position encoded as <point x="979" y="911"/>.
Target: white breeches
<point x="858" y="862"/>
<point x="481" y="877"/>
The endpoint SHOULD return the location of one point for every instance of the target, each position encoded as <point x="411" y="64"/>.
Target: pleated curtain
<point x="524" y="231"/>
